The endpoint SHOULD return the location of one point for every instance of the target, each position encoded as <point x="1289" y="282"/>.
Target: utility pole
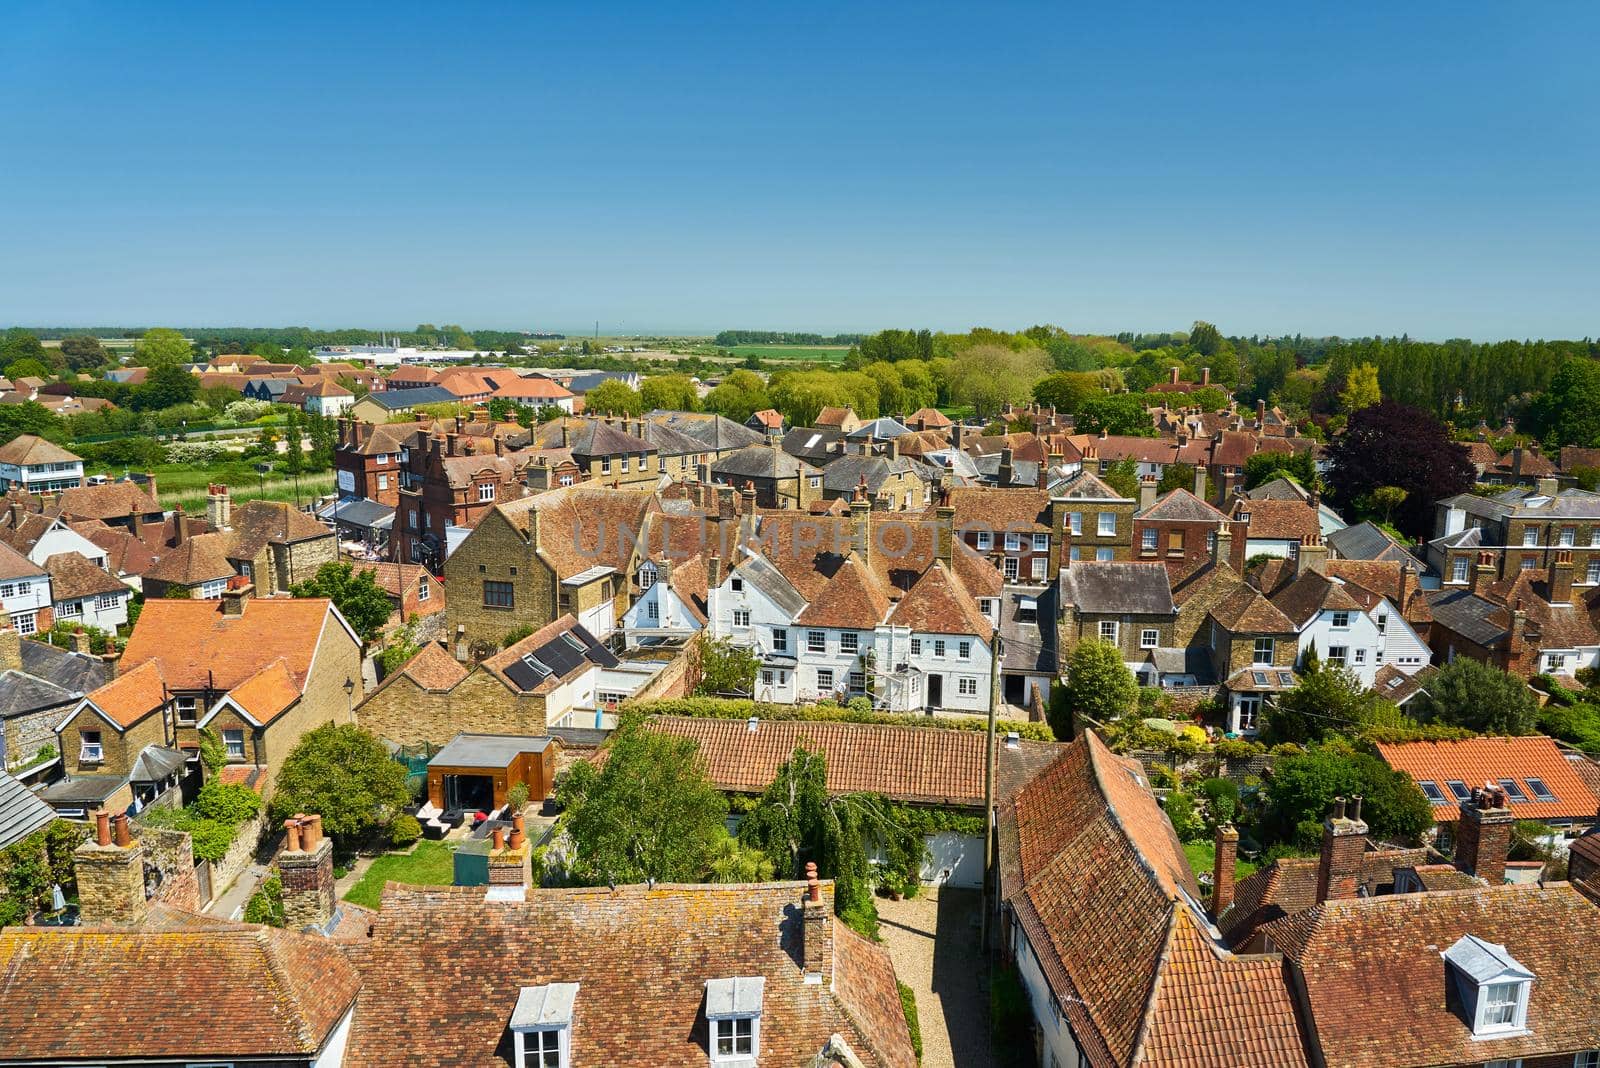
<point x="988" y="787"/>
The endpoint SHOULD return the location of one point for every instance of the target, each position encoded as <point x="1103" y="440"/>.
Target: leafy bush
<point x="1185" y="821"/>
<point x="197" y="453"/>
<point x="1238" y="748"/>
<point x="345" y="774"/>
<point x="517" y="797"/>
<point x="1480" y="697"/>
<point x="1577" y="725"/>
<point x="403" y="830"/>
<point x="266" y="904"/>
<point x="1222" y="800"/>
<point x="245" y="411"/>
<point x="230" y="804"/>
<point x="1302" y="789"/>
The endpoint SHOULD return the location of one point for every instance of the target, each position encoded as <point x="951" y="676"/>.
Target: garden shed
<point x="476" y="771"/>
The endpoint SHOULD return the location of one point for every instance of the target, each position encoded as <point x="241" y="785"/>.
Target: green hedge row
<point x="735" y="708"/>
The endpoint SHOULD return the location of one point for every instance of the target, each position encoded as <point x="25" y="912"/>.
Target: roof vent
<point x="1013" y="740"/>
<point x="752" y="723"/>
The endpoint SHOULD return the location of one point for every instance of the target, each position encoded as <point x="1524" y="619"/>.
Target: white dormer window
<point x="486" y="491"/>
<point x="541" y="1025"/>
<point x="1493" y="987"/>
<point x="647" y="575"/>
<point x="733" y="1018"/>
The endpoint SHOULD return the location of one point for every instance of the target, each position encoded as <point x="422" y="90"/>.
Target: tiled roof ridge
<point x="286" y="995"/>
<point x="1144" y="863"/>
<point x="1152" y="1000"/>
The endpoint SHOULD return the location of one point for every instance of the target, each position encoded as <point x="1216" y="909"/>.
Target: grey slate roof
<point x="1191" y="660"/>
<point x="813" y="444"/>
<point x="82" y="789"/>
<point x="1367" y="541"/>
<point x="1467" y="614"/>
<point x="21" y="813"/>
<point x="155" y="763"/>
<point x="395" y="399"/>
<point x="711" y="431"/>
<point x="760" y="573"/>
<point x="1278" y="489"/>
<point x="760" y="461"/>
<point x="50" y="677"/>
<point x="1028" y="648"/>
<point x="488" y="750"/>
<point x="1117" y="587"/>
<point x="1086" y="486"/>
<point x="359" y="512"/>
<point x="846" y="473"/>
<point x="880" y="429"/>
<point x="1023" y="472"/>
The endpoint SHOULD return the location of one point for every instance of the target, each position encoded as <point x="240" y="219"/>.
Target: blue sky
<point x="1426" y="168"/>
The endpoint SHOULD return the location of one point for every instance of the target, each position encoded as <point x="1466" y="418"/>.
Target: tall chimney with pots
<point x="816" y="949"/>
<point x="725" y="507"/>
<point x="306" y="869"/>
<point x="1200" y="481"/>
<point x="1205" y="376"/>
<point x="1147" y="493"/>
<point x="1313" y="555"/>
<point x="1222" y="546"/>
<point x="219" y="507"/>
<point x="944" y="531"/>
<point x="1483" y="835"/>
<point x="1222" y="874"/>
<point x="1007" y="466"/>
<point x="1344" y="839"/>
<point x="1483" y="574"/>
<point x="1561" y="578"/>
<point x="110" y="871"/>
<point x="861" y="523"/>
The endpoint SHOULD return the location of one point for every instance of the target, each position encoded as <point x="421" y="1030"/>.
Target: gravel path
<point x="933" y="940"/>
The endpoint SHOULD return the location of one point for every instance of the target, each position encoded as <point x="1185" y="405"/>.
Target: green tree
<point x="1177" y="476"/>
<point x="166" y="386"/>
<point x="1209" y="398"/>
<point x="1123" y="476"/>
<point x="613" y="397"/>
<point x="343" y="773"/>
<point x="162" y="346"/>
<point x="734" y="862"/>
<point x="294" y="454"/>
<point x="1099" y="687"/>
<point x="1302" y="789"/>
<point x="362" y="602"/>
<point x="1469" y="693"/>
<point x="1360" y="389"/>
<point x="1386" y="499"/>
<point x="29" y="418"/>
<point x="1263" y="467"/>
<point x="27" y="367"/>
<point x="650" y="814"/>
<point x="1066" y="390"/>
<point x="18" y="345"/>
<point x="1205" y="339"/>
<point x="1568" y="413"/>
<point x="726" y="668"/>
<point x="797" y="821"/>
<point x="1328" y="699"/>
<point x="673" y="393"/>
<point x="1121" y="413"/>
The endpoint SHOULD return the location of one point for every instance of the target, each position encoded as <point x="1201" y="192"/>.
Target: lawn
<point x="1203" y="855"/>
<point x="429" y="864"/>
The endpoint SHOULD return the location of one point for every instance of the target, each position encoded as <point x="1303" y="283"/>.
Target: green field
<point x="801" y="353"/>
<point x="184" y="485"/>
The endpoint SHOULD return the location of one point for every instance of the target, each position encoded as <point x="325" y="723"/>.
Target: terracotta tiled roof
<point x="853" y="597"/>
<point x="268" y="693"/>
<point x="1289" y="885"/>
<point x="985" y="508"/>
<point x="530" y="387"/>
<point x="131" y="696"/>
<point x="393" y="578"/>
<point x="1246" y="611"/>
<point x="201" y="558"/>
<point x="26" y="450"/>
<point x="641" y="958"/>
<point x="583" y="526"/>
<point x="433" y="668"/>
<point x="833" y="417"/>
<point x="1477" y="761"/>
<point x="196" y="646"/>
<point x="103" y="994"/>
<point x="1379" y="995"/>
<point x="1279" y="519"/>
<point x="1309" y="594"/>
<point x="1100" y="886"/>
<point x="257" y="524"/>
<point x="930" y="765"/>
<point x="769" y="418"/>
<point x="1181" y="506"/>
<point x="14" y="565"/>
<point x="931" y="418"/>
<point x="109" y="500"/>
<point x="937" y="604"/>
<point x="73" y="577"/>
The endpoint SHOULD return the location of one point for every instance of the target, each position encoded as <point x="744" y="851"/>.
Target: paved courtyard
<point x="933" y="939"/>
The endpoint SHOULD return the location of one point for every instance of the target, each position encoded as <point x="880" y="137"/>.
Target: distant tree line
<point x="729" y="338"/>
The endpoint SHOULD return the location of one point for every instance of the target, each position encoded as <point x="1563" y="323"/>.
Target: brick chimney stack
<point x="1344" y="839"/>
<point x="816" y="949"/>
<point x="944" y="530"/>
<point x="1483" y="574"/>
<point x="236" y="596"/>
<point x="861" y="523"/>
<point x="110" y="870"/>
<point x="1200" y="481"/>
<point x="1007" y="466"/>
<point x="1222" y="546"/>
<point x="1313" y="555"/>
<point x="10" y="647"/>
<point x="1561" y="578"/>
<point x="306" y="869"/>
<point x="1483" y="835"/>
<point x="219" y="507"/>
<point x="1222" y="874"/>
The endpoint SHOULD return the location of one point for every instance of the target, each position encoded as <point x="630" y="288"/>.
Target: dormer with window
<point x="541" y="1026"/>
<point x="733" y="1019"/>
<point x="1492" y="986"/>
